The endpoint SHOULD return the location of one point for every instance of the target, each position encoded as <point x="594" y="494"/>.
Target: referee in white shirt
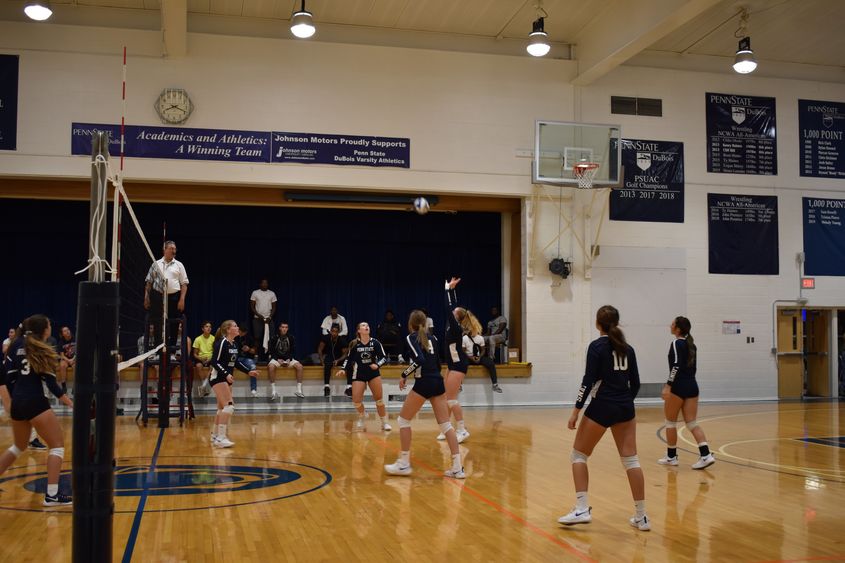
<point x="174" y="283"/>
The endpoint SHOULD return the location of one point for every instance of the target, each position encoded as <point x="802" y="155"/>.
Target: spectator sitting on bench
<point x="202" y="351"/>
<point x="389" y="333"/>
<point x="246" y="355"/>
<point x="282" y="352"/>
<point x="495" y="333"/>
<point x="67" y="355"/>
<point x="332" y="351"/>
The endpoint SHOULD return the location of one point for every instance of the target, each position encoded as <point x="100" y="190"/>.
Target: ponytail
<point x="416" y="323"/>
<point x="40" y="355"/>
<point x="683" y="324"/>
<point x="607" y="317"/>
<point x="692" y="350"/>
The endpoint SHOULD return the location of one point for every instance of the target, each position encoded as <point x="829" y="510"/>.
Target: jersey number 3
<point x="620" y="364"/>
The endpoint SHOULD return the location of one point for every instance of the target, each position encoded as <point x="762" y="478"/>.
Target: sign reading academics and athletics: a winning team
<point x="824" y="236"/>
<point x="247" y="146"/>
<point x="822" y="129"/>
<point x="741" y="134"/>
<point x="8" y="102"/>
<point x="742" y="234"/>
<point x="653" y="186"/>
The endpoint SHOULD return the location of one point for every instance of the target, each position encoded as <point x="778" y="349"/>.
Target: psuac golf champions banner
<point x="822" y="139"/>
<point x="742" y="234"/>
<point x="184" y="143"/>
<point x="653" y="187"/>
<point x="741" y="134"/>
<point x="9" y="65"/>
<point x="824" y="236"/>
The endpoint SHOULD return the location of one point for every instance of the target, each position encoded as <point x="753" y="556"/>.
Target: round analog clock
<point x="174" y="106"/>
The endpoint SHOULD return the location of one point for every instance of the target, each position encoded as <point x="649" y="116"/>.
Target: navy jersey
<point x="421" y="357"/>
<point x="13" y="362"/>
<point x="22" y="382"/>
<point x="608" y="376"/>
<point x="679" y="368"/>
<point x="283" y="347"/>
<point x="454" y="333"/>
<point x="362" y="356"/>
<point x="224" y="359"/>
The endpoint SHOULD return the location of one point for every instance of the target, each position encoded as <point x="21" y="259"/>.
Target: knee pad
<point x="358" y="405"/>
<point x="692" y="425"/>
<point x="403" y="422"/>
<point x="577" y="457"/>
<point x="379" y="403"/>
<point x="229" y="409"/>
<point x="14" y="450"/>
<point x="671" y="424"/>
<point x="445" y="427"/>
<point x="452" y="402"/>
<point x="630" y="462"/>
<point x="58" y="452"/>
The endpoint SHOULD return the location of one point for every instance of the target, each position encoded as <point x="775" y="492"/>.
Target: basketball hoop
<point x="585" y="172"/>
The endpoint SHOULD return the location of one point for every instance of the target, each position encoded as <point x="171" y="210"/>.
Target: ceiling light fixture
<point x="538" y="39"/>
<point x="38" y="10"/>
<point x="744" y="62"/>
<point x="302" y="23"/>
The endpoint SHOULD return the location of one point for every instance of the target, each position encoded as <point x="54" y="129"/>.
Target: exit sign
<point x="808" y="283"/>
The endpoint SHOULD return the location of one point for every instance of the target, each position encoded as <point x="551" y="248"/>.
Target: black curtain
<point x="362" y="261"/>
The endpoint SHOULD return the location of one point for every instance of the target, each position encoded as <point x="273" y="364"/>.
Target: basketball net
<point x="584" y="173"/>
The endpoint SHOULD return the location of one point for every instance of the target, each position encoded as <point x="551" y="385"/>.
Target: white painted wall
<point x="466" y="116"/>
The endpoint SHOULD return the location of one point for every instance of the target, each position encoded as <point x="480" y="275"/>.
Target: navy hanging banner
<point x="824" y="236"/>
<point x="653" y="188"/>
<point x="743" y="234"/>
<point x="9" y="102"/>
<point x="741" y="134"/>
<point x="822" y="127"/>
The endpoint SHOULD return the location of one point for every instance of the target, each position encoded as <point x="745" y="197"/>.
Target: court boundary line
<point x="139" y="513"/>
<point x="497" y="507"/>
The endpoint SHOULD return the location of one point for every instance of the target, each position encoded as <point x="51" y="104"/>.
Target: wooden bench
<point x="316" y="372"/>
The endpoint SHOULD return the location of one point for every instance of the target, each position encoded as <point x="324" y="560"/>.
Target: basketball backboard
<point x="560" y="145"/>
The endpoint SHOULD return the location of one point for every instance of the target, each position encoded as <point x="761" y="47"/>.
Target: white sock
<point x="221" y="430"/>
<point x="299" y="387"/>
<point x="273" y="388"/>
<point x="33" y="434"/>
<point x="405" y="458"/>
<point x="581" y="501"/>
<point x="639" y="506"/>
<point x="456" y="462"/>
<point x="382" y="420"/>
<point x="461" y="426"/>
<point x="53" y="490"/>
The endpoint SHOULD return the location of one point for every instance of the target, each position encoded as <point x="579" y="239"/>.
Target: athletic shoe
<point x="223" y="442"/>
<point x="666" y="460"/>
<point x="642" y="524"/>
<point x="57" y="500"/>
<point x="576" y="516"/>
<point x="327" y="392"/>
<point x="496" y="388"/>
<point x="704" y="462"/>
<point x="348" y="392"/>
<point x="37" y="445"/>
<point x="441" y="436"/>
<point x="462" y="435"/>
<point x="274" y="397"/>
<point x="299" y="394"/>
<point x="455" y="473"/>
<point x="254" y="393"/>
<point x="398" y="469"/>
<point x="359" y="424"/>
<point x="386" y="427"/>
<point x="213" y="438"/>
<point x="401" y="359"/>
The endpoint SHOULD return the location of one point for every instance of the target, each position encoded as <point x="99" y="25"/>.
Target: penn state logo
<point x="827" y="120"/>
<point x="366" y="357"/>
<point x="643" y="160"/>
<point x="173" y="486"/>
<point x="738" y="114"/>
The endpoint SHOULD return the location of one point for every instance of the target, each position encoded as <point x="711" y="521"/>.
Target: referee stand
<point x="162" y="400"/>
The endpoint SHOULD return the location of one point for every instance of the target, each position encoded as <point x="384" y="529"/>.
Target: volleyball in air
<point x="421" y="205"/>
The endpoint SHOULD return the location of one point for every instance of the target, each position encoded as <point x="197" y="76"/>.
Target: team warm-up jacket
<point x="22" y="382"/>
<point x="454" y="332"/>
<point x="282" y="348"/>
<point x="362" y="355"/>
<point x="427" y="359"/>
<point x="607" y="375"/>
<point x="224" y="359"/>
<point x="679" y="368"/>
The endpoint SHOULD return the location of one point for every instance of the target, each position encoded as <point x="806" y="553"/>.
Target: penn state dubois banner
<point x="741" y="134"/>
<point x="742" y="234"/>
<point x="824" y="236"/>
<point x="822" y="145"/>
<point x="653" y="187"/>
<point x="9" y="102"/>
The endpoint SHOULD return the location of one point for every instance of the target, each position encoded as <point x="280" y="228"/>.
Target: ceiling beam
<point x="624" y="29"/>
<point x="174" y="28"/>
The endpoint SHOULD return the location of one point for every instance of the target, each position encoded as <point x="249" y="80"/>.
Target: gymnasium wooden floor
<point x="305" y="487"/>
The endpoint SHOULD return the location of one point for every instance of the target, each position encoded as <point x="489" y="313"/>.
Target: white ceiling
<point x="697" y="34"/>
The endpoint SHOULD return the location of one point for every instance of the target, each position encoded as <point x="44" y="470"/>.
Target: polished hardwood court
<point x="308" y="487"/>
